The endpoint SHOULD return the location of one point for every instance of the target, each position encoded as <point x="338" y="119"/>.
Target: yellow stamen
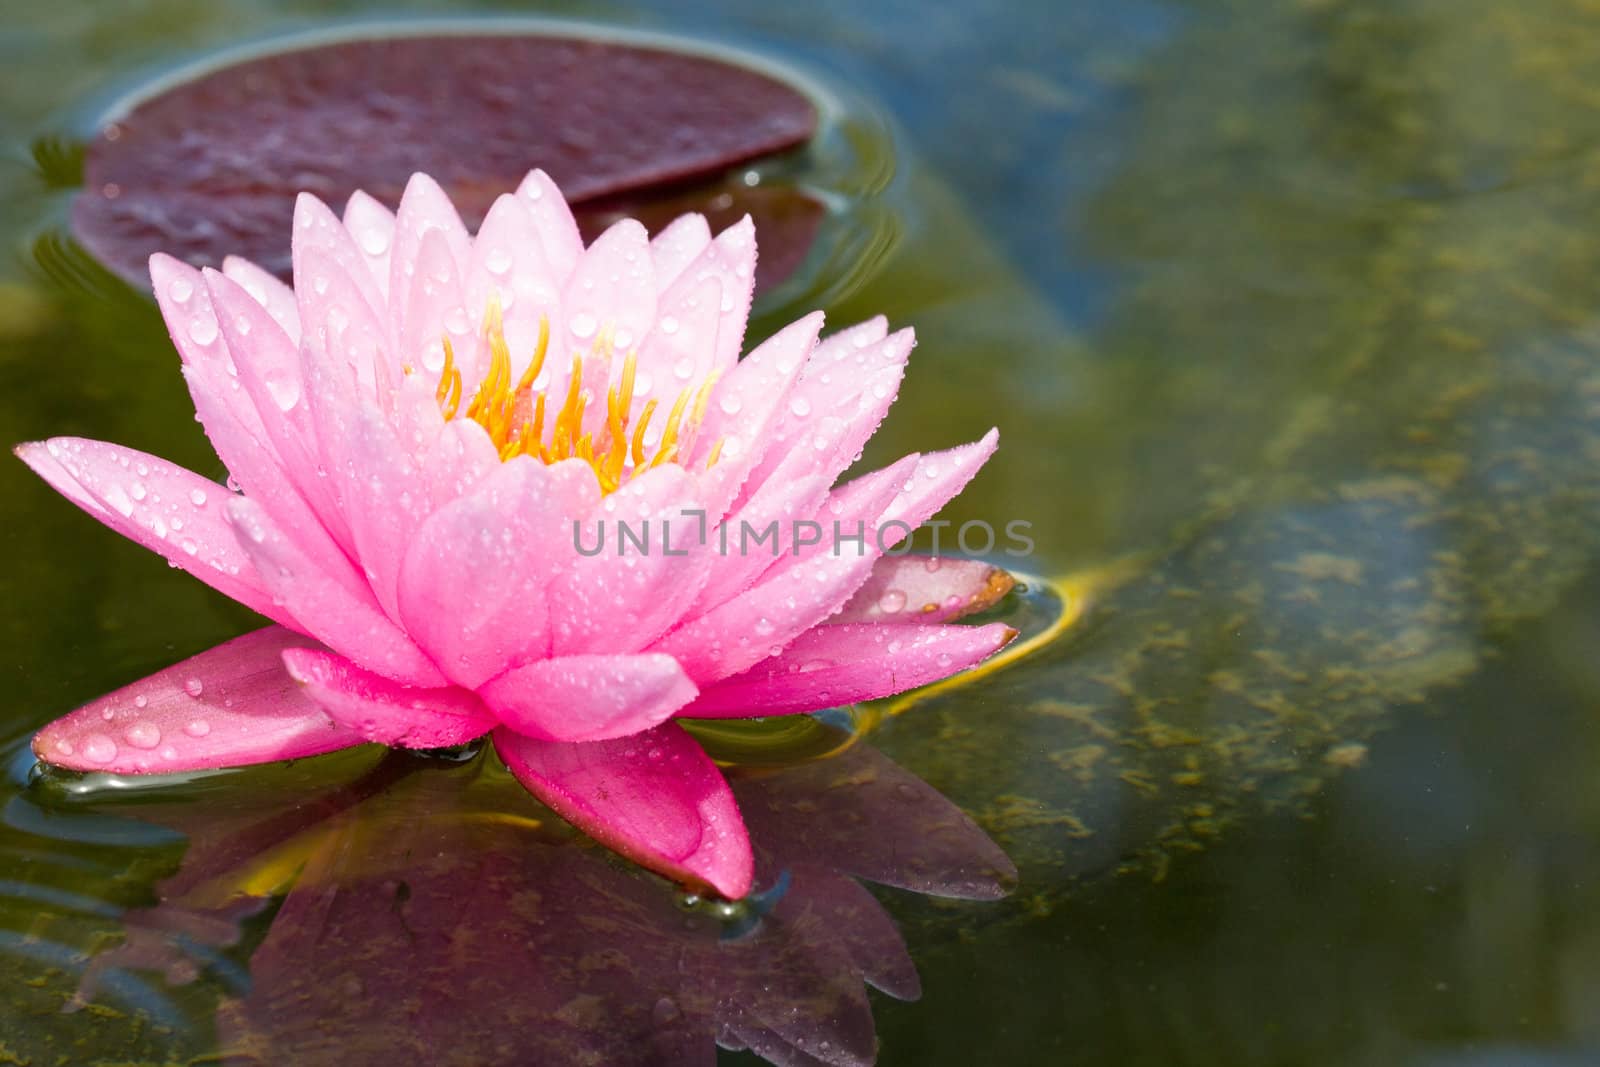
<point x="514" y="414"/>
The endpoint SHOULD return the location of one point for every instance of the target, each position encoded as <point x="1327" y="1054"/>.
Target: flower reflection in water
<point x="429" y="911"/>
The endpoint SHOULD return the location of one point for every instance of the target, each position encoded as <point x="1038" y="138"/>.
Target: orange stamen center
<point x="515" y="416"/>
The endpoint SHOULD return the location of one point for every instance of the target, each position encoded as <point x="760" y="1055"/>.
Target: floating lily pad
<point x="210" y="166"/>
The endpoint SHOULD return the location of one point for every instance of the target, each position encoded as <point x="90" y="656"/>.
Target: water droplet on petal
<point x="99" y="749"/>
<point x="197" y="728"/>
<point x="800" y="406"/>
<point x="143" y="735"/>
<point x="284" y="388"/>
<point x="194" y="687"/>
<point x="730" y="403"/>
<point x="669" y="325"/>
<point x="202" y="329"/>
<point x="498" y="261"/>
<point x="583" y="325"/>
<point x="197" y="497"/>
<point x="374" y="240"/>
<point x="181" y="290"/>
<point x="891" y="602"/>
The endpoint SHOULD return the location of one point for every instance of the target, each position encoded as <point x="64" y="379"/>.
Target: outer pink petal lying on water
<point x="655" y="797"/>
<point x="379" y="710"/>
<point x="227" y="707"/>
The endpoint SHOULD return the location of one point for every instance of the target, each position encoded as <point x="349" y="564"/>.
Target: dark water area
<point x="1286" y="312"/>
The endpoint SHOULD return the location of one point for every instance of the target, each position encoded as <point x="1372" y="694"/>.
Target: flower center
<point x="520" y="419"/>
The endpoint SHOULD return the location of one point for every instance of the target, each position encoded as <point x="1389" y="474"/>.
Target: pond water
<point x="1286" y="312"/>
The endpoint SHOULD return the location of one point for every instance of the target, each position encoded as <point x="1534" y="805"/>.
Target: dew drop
<point x="892" y="602"/>
<point x="194" y="687"/>
<point x="498" y="261"/>
<point x="141" y="702"/>
<point x="137" y="491"/>
<point x="800" y="406"/>
<point x="374" y="240"/>
<point x="197" y="728"/>
<point x="622" y="339"/>
<point x="181" y="290"/>
<point x="583" y="325"/>
<point x="730" y="403"/>
<point x="284" y="388"/>
<point x="107" y="714"/>
<point x="669" y="325"/>
<point x="117" y="497"/>
<point x="455" y="321"/>
<point x="683" y="370"/>
<point x="202" y="330"/>
<point x="99" y="749"/>
<point x="197" y="497"/>
<point x="143" y="735"/>
<point x="433" y="356"/>
<point x="764" y="626"/>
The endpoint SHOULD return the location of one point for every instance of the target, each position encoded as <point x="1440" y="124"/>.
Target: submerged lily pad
<point x="210" y="166"/>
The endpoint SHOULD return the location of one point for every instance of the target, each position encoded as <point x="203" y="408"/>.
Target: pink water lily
<point x="427" y="436"/>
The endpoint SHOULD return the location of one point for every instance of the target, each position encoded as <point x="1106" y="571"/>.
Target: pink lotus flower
<point x="418" y="432"/>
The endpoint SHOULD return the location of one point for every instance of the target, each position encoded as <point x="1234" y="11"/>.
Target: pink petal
<point x="435" y="308"/>
<point x="229" y="706"/>
<point x="379" y="710"/>
<point x="473" y="586"/>
<point x="681" y="349"/>
<point x="923" y="484"/>
<point x="558" y="231"/>
<point x="590" y="697"/>
<point x="186" y="306"/>
<point x="318" y="231"/>
<point x="372" y="226"/>
<point x="265" y="289"/>
<point x="709" y="303"/>
<point x="788" y="600"/>
<point x="744" y="407"/>
<point x="842" y="344"/>
<point x="253" y="466"/>
<point x="925" y="589"/>
<point x="349" y="623"/>
<point x="268" y="364"/>
<point x="623" y="597"/>
<point x="613" y="288"/>
<point x="167" y="509"/>
<point x="782" y="500"/>
<point x="857" y="391"/>
<point x="460" y="457"/>
<point x="508" y="260"/>
<point x="677" y="245"/>
<point x="834" y="665"/>
<point x="377" y="485"/>
<point x="423" y="207"/>
<point x="656" y="798"/>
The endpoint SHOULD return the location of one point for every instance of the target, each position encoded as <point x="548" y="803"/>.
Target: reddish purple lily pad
<point x="210" y="166"/>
